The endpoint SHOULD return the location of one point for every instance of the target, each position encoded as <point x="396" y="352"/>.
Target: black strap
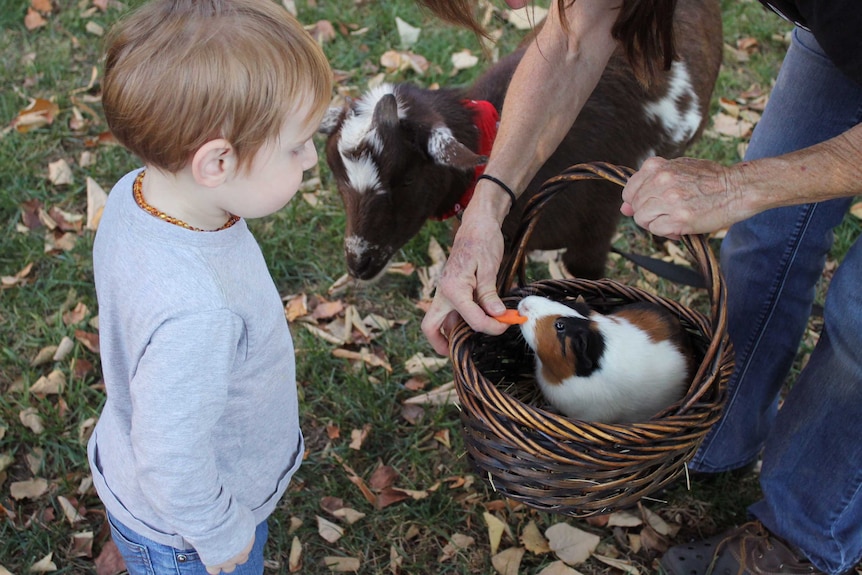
<point x="668" y="270"/>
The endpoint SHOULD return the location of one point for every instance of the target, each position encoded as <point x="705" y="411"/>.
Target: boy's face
<point x="275" y="172"/>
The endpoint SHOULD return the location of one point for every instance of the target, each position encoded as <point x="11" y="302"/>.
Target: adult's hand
<point x="672" y="198"/>
<point x="468" y="283"/>
<point x="230" y="565"/>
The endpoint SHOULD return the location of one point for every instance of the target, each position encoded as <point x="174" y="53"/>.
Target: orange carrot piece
<point x="512" y="317"/>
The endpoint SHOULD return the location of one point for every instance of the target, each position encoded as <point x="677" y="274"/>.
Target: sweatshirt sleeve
<point x="179" y="392"/>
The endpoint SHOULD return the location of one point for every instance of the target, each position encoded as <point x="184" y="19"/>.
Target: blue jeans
<point x="146" y="557"/>
<point x="812" y="446"/>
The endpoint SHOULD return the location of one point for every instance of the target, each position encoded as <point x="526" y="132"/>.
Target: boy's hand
<point x="229" y="565"/>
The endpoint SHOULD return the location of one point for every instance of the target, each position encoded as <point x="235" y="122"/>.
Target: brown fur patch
<point x="558" y="358"/>
<point x="656" y="325"/>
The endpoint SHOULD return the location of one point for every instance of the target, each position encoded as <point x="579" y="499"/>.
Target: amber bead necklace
<point x="138" y="191"/>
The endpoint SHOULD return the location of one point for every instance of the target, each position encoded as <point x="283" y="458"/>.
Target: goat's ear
<point x="331" y="120"/>
<point x="446" y="150"/>
<point x="386" y="112"/>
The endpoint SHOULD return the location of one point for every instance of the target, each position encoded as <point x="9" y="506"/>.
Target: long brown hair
<point x="644" y="28"/>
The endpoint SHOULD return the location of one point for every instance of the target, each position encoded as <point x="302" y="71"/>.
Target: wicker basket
<point x="572" y="467"/>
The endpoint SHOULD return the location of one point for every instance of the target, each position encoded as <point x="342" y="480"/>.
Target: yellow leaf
<point x="96" y="199"/>
<point x="572" y="545"/>
<point x="509" y="561"/>
<point x="533" y="540"/>
<point x="496" y="528"/>
<point x="29" y="489"/>
<point x="39" y="113"/>
<point x="44" y="565"/>
<point x="294" y="561"/>
<point x="342" y="564"/>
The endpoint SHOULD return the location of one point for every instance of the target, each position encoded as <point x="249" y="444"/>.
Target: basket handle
<point x="514" y="264"/>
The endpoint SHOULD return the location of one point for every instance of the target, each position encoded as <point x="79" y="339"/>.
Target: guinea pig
<point x="621" y="367"/>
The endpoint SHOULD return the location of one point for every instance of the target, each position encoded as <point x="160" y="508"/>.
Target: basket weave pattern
<point x="567" y="466"/>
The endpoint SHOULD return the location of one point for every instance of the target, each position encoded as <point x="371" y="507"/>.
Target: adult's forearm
<point x="549" y="88"/>
<point x="831" y="169"/>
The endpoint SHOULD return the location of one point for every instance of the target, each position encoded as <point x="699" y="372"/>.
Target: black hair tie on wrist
<point x="503" y="186"/>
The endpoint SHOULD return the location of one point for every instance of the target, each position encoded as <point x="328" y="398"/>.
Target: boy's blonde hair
<point x="179" y="73"/>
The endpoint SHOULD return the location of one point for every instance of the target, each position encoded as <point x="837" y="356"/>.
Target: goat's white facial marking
<point x="680" y="122"/>
<point x="357" y="130"/>
<point x="440" y="143"/>
<point x="357" y="246"/>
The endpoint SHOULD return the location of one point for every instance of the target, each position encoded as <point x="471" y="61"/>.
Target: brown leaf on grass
<point x="296" y="307"/>
<point x="32" y="21"/>
<point x="401" y="60"/>
<point x="322" y="31"/>
<point x="389" y="496"/>
<point x="88" y="339"/>
<point x="496" y="528"/>
<point x="76" y="314"/>
<point x="342" y="564"/>
<point x="333" y="431"/>
<point x="327" y="309"/>
<point x="442" y="437"/>
<point x="29" y="489"/>
<point x="508" y="561"/>
<point x="109" y="561"/>
<point x="412" y="414"/>
<point x="30" y="214"/>
<point x="727" y="125"/>
<point x="364" y="355"/>
<point x="43" y="6"/>
<point x="382" y="477"/>
<point x="82" y="544"/>
<point x="331" y="504"/>
<point x="651" y="540"/>
<point x="40" y="112"/>
<point x="856" y="210"/>
<point x="395" y="560"/>
<point x="623" y="566"/>
<point x="66" y="221"/>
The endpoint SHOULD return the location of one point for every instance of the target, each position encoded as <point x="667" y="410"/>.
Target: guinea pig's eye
<point x="559" y="326"/>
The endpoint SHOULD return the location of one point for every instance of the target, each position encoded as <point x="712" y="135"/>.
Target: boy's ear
<point x="213" y="163"/>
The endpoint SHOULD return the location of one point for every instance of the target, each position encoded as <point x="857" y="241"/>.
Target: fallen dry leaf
<point x="358" y="436"/>
<point x="558" y="568"/>
<point x="33" y="20"/>
<point x="82" y="544"/>
<point x="443" y="395"/>
<point x="96" y="199"/>
<point x="52" y="384"/>
<point x="40" y="112"/>
<point x="527" y="17"/>
<point x="570" y="544"/>
<point x="294" y="560"/>
<point x="508" y="561"/>
<point x="28" y="489"/>
<point x="533" y="540"/>
<point x="623" y="566"/>
<point x="419" y="364"/>
<point x="408" y="34"/>
<point x="88" y="340"/>
<point x="31" y="419"/>
<point x="19" y="278"/>
<point x="329" y="530"/>
<point x="69" y="510"/>
<point x="457" y="542"/>
<point x="856" y="210"/>
<point x="342" y="564"/>
<point x="109" y="561"/>
<point x="382" y="477"/>
<point x="60" y="173"/>
<point x="44" y="565"/>
<point x="322" y="31"/>
<point x="464" y="59"/>
<point x="496" y="528"/>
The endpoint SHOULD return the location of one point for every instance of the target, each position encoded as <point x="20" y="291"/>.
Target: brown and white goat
<point x="402" y="154"/>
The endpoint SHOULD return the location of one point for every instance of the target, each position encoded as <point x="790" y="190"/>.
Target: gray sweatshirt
<point x="199" y="435"/>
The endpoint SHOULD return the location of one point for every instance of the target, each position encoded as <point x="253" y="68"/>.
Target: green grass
<point x="302" y="245"/>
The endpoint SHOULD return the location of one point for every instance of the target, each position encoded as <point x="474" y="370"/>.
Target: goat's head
<point x="395" y="161"/>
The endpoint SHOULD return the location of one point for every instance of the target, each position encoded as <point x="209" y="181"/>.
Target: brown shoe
<point x="746" y="550"/>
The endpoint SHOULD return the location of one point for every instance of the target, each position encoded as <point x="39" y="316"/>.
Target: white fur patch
<point x="439" y="145"/>
<point x="680" y="124"/>
<point x="356" y="246"/>
<point x="356" y="130"/>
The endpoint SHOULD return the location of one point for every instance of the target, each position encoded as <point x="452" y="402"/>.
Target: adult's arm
<point x="687" y="196"/>
<point x="548" y="90"/>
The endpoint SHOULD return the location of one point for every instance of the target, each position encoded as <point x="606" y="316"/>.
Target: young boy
<point x="200" y="435"/>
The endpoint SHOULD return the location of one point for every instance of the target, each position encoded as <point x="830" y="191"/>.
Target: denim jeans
<point x="812" y="447"/>
<point x="146" y="557"/>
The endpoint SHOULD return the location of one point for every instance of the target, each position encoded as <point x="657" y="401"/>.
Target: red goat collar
<point x="487" y="119"/>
